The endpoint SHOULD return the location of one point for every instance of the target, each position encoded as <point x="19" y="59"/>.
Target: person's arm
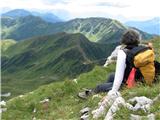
<point x="113" y="57"/>
<point x="120" y="69"/>
<point x="113" y="94"/>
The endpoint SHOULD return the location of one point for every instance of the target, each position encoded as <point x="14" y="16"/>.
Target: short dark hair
<point x="131" y="37"/>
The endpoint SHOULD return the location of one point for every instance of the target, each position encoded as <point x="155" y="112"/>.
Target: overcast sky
<point x="67" y="9"/>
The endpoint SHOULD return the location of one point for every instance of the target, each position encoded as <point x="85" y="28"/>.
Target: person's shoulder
<point x="121" y="51"/>
<point x="120" y="47"/>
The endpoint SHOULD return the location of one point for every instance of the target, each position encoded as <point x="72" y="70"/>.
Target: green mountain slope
<point x="42" y="60"/>
<point x="156" y="44"/>
<point x="64" y="103"/>
<point x="24" y="27"/>
<point x="5" y="44"/>
<point x="98" y="29"/>
<point x="95" y="29"/>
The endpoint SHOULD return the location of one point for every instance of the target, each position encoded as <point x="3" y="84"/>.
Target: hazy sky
<point x="67" y="9"/>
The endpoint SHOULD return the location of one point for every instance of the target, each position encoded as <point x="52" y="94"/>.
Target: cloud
<point x="129" y="9"/>
<point x="53" y="2"/>
<point x="111" y="4"/>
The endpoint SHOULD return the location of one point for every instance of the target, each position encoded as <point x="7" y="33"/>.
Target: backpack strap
<point x="130" y="54"/>
<point x="138" y="49"/>
<point x="133" y="52"/>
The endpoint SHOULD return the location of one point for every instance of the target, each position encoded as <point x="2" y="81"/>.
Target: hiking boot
<point x="85" y="94"/>
<point x="84" y="110"/>
<point x="85" y="116"/>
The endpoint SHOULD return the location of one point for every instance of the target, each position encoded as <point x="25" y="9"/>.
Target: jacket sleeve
<point x="113" y="56"/>
<point x="120" y="69"/>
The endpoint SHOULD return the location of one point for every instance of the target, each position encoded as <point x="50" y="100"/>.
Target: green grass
<point x="156" y="44"/>
<point x="141" y="90"/>
<point x="64" y="103"/>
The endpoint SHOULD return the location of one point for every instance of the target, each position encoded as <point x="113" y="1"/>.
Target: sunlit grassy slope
<point x="5" y="44"/>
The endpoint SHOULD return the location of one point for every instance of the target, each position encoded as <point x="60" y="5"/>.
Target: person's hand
<point x="107" y="61"/>
<point x="106" y="64"/>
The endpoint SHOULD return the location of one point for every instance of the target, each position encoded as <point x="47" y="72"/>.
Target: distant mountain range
<point x="42" y="60"/>
<point x="21" y="25"/>
<point x="39" y="52"/>
<point x="151" y="26"/>
<point x="48" y="17"/>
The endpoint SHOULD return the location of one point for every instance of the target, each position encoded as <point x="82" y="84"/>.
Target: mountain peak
<point x="17" y="13"/>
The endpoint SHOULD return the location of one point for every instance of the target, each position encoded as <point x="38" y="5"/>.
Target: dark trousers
<point x="105" y="87"/>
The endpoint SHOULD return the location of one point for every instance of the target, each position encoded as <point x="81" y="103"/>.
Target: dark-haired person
<point x="130" y="42"/>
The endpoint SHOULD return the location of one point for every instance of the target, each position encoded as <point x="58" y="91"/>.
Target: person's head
<point x="131" y="37"/>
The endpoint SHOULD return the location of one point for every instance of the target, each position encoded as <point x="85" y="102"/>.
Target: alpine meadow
<point x="45" y="57"/>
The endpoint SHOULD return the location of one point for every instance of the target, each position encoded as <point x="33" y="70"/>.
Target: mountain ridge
<point x="103" y="30"/>
<point x="49" y="58"/>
